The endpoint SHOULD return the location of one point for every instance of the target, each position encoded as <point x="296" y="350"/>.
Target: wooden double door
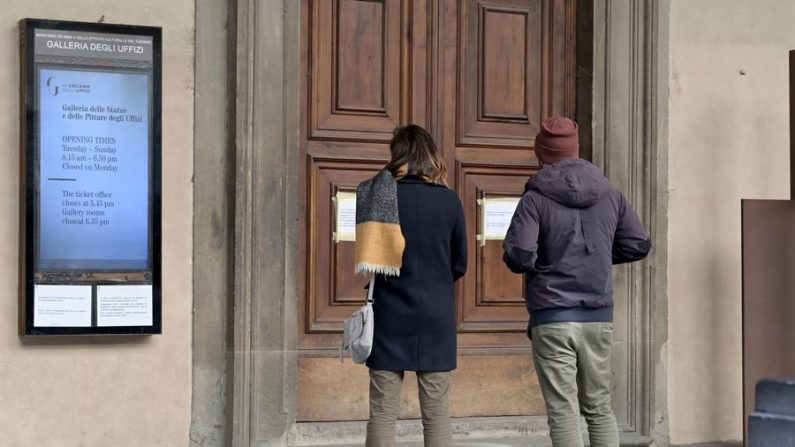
<point x="480" y="75"/>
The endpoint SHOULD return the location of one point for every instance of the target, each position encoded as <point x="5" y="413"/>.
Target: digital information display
<point x="94" y="170"/>
<point x="91" y="202"/>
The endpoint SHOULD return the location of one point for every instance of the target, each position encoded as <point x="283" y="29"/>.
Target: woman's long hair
<point x="415" y="153"/>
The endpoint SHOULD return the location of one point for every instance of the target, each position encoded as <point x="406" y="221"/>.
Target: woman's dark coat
<point x="415" y="325"/>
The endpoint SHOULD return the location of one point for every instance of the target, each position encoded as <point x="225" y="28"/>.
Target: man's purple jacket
<point x="569" y="229"/>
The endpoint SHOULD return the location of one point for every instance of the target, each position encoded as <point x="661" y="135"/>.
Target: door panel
<point x="333" y="289"/>
<point x="512" y="66"/>
<point x="355" y="88"/>
<point x="500" y="66"/>
<point x="367" y="71"/>
<point x="480" y="75"/>
<point x="491" y="296"/>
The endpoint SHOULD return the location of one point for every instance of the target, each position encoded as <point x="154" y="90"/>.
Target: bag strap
<point x="370" y="289"/>
<point x="342" y="349"/>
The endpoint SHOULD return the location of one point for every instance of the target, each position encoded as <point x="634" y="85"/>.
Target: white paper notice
<point x="61" y="306"/>
<point x="346" y="217"/>
<point x="124" y="305"/>
<point x="497" y="214"/>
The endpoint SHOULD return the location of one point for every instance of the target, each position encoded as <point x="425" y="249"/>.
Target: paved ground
<point x="517" y="442"/>
<point x="714" y="444"/>
<point x="468" y="432"/>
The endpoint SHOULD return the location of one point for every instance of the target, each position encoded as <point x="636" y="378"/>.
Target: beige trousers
<point x="385" y="405"/>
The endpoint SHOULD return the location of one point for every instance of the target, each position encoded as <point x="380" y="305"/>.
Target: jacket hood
<point x="574" y="183"/>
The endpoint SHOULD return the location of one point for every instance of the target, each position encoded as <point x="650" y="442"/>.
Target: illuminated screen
<point x="94" y="159"/>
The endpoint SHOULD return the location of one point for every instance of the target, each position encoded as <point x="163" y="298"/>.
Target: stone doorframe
<point x="246" y="211"/>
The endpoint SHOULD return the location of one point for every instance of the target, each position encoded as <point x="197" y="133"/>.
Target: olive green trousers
<point x="573" y="365"/>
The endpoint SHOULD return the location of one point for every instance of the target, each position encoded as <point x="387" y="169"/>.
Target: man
<point x="569" y="229"/>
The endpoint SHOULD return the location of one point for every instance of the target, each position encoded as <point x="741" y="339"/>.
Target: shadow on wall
<point x="71" y="341"/>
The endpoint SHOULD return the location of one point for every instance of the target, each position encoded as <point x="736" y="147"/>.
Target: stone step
<point x="509" y="442"/>
<point x="772" y="424"/>
<point x="517" y="442"/>
<point x="776" y="396"/>
<point x="506" y="431"/>
<point x="771" y="430"/>
<point x="410" y="431"/>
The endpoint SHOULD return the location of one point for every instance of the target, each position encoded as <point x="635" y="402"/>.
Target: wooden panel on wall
<point x="355" y="89"/>
<point x="768" y="260"/>
<point x="498" y="286"/>
<point x="334" y="291"/>
<point x="361" y="40"/>
<point x="368" y="69"/>
<point x="491" y="297"/>
<point x="506" y="386"/>
<point x="504" y="75"/>
<point x="514" y="69"/>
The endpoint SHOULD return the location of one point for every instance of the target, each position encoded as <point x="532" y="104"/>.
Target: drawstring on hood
<point x="574" y="183"/>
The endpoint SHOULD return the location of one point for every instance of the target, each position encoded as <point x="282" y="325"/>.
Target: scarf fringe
<point x="378" y="269"/>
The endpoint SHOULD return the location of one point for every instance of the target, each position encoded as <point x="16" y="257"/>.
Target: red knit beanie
<point x="557" y="140"/>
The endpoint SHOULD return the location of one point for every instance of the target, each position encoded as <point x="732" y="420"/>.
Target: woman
<point x="415" y="325"/>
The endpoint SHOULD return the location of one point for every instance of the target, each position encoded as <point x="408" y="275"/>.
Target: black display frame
<point x="30" y="274"/>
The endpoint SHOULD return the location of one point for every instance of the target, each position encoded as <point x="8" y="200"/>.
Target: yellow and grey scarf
<point x="379" y="241"/>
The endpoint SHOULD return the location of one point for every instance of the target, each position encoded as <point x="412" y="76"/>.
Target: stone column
<point x="266" y="205"/>
<point x="212" y="225"/>
<point x="630" y="112"/>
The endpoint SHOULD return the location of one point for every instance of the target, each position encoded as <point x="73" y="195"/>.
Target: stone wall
<point x="102" y="391"/>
